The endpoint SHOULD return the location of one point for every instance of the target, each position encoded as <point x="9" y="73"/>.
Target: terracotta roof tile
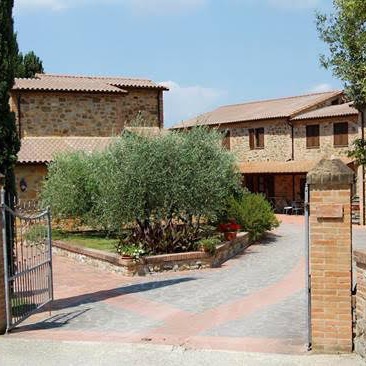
<point x="258" y="110"/>
<point x="44" y="149"/>
<point x="339" y="110"/>
<point x="303" y="166"/>
<point x="50" y="82"/>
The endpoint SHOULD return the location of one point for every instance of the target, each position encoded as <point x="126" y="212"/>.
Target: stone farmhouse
<point x="60" y="113"/>
<point x="278" y="141"/>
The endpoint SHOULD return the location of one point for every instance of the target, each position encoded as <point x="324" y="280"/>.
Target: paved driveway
<point x="254" y="302"/>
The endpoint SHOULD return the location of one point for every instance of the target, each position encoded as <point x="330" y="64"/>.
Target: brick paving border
<point x="266" y="274"/>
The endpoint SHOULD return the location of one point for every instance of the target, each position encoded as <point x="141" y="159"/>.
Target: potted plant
<point x="229" y="229"/>
<point x="209" y="245"/>
<point x="130" y="251"/>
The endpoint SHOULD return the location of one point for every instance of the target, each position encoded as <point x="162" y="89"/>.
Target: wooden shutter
<point x="226" y="140"/>
<point x="260" y="137"/>
<point x="312" y="136"/>
<point x="340" y="131"/>
<point x="251" y="139"/>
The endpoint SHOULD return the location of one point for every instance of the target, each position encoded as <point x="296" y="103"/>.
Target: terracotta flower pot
<point x="126" y="256"/>
<point x="230" y="235"/>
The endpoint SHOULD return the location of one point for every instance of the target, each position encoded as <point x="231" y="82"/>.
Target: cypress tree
<point x="9" y="141"/>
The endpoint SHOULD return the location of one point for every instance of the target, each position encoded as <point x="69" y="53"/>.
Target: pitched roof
<point x="44" y="149"/>
<point x="259" y="110"/>
<point x="50" y="82"/>
<point x="339" y="110"/>
<point x="302" y="166"/>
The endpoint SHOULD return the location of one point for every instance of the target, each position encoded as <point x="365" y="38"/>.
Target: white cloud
<point x="137" y="6"/>
<point x="183" y="102"/>
<point x="320" y="88"/>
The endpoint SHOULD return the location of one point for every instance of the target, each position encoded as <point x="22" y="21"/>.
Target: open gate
<point x="27" y="249"/>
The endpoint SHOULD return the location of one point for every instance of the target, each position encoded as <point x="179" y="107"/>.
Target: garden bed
<point x="153" y="264"/>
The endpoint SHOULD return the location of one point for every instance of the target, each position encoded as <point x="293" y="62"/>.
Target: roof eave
<point x="321" y="100"/>
<point x="61" y="90"/>
<point x="229" y="122"/>
<point x="299" y="118"/>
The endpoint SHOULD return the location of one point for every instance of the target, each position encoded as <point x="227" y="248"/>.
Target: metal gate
<point x="27" y="249"/>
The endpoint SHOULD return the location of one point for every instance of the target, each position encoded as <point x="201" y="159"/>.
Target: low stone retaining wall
<point x="151" y="264"/>
<point x="360" y="336"/>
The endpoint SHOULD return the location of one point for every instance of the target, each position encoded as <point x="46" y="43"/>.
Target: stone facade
<point x="33" y="174"/>
<point x="85" y="114"/>
<point x="360" y="337"/>
<point x="99" y="113"/>
<point x="278" y="144"/>
<point x="326" y="146"/>
<point x="277" y="141"/>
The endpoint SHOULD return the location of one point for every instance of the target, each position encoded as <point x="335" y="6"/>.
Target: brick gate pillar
<point x="330" y="257"/>
<point x="2" y="282"/>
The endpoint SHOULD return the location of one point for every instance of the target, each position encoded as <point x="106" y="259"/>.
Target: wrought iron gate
<point x="27" y="248"/>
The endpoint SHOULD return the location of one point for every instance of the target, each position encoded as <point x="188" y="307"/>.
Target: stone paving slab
<point x="271" y="322"/>
<point x="239" y="306"/>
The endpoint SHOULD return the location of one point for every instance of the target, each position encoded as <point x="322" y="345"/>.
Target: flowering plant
<point x="131" y="250"/>
<point x="229" y="226"/>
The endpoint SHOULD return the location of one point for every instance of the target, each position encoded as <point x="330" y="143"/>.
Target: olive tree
<point x="162" y="187"/>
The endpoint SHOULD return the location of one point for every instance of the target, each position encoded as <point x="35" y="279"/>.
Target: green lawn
<point x="91" y="240"/>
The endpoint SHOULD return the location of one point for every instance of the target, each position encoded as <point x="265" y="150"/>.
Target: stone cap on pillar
<point x="330" y="171"/>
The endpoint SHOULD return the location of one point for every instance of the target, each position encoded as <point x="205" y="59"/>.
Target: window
<point x="340" y="131"/>
<point x="256" y="138"/>
<point x="312" y="136"/>
<point x="226" y="140"/>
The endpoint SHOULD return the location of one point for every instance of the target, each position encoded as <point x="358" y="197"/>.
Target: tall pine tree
<point x="28" y="65"/>
<point x="9" y="141"/>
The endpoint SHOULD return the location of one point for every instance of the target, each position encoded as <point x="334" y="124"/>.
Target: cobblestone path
<point x="254" y="302"/>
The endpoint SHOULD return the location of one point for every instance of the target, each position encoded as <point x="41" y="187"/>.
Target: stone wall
<point x="153" y="264"/>
<point x="277" y="141"/>
<point x="85" y="114"/>
<point x="326" y="148"/>
<point x="33" y="174"/>
<point x="360" y="337"/>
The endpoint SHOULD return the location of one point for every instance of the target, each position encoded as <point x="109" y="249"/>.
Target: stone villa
<point x="278" y="141"/>
<point x="58" y="113"/>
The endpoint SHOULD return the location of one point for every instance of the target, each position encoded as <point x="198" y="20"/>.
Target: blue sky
<point x="209" y="52"/>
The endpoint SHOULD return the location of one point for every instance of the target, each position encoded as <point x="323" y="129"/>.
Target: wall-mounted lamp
<point x="23" y="185"/>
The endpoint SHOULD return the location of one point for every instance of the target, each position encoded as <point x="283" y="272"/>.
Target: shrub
<point x="163" y="188"/>
<point x="69" y="188"/>
<point x="254" y="213"/>
<point x="36" y="235"/>
<point x="209" y="244"/>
